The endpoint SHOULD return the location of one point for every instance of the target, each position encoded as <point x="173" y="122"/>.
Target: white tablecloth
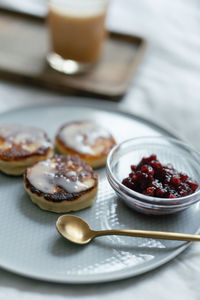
<point x="166" y="89"/>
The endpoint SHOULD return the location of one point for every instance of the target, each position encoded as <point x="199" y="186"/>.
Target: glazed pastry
<point x="21" y="146"/>
<point x="87" y="139"/>
<point x="61" y="184"/>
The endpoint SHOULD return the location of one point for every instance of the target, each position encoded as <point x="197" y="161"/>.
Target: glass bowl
<point x="169" y="151"/>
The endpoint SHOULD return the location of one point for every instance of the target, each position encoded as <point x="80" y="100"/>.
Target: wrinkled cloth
<point x="166" y="90"/>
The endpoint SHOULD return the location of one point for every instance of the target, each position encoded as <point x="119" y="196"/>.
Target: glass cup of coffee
<point x="77" y="32"/>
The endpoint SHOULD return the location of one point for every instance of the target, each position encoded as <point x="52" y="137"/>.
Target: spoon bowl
<point x="77" y="231"/>
<point x="74" y="229"/>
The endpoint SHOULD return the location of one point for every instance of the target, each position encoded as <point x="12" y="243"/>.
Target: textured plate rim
<point x="111" y="277"/>
<point x="130" y="272"/>
<point x="106" y="107"/>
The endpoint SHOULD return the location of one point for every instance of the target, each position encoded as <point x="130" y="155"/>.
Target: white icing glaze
<point x="83" y="136"/>
<point x="5" y="146"/>
<point x="41" y="176"/>
<point x="69" y="185"/>
<point x="22" y="137"/>
<point x="30" y="138"/>
<point x="44" y="177"/>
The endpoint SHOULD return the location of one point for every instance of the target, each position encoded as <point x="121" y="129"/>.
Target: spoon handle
<point x="151" y="234"/>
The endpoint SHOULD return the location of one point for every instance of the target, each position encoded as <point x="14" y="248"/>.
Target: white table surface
<point x="166" y="89"/>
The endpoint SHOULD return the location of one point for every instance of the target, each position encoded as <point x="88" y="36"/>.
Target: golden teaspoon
<point x="77" y="231"/>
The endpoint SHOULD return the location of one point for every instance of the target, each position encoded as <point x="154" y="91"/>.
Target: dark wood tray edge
<point x="113" y="96"/>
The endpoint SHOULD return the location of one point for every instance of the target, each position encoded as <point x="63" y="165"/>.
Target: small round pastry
<point x="21" y="146"/>
<point x="61" y="184"/>
<point x="87" y="139"/>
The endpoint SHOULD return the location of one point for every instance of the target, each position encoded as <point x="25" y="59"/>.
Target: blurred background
<point x="166" y="86"/>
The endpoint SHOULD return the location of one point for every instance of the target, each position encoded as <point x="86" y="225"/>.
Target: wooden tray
<point x="24" y="45"/>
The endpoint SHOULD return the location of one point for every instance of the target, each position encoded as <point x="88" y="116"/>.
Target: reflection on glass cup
<point x="77" y="32"/>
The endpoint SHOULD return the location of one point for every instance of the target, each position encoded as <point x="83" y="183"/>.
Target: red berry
<point x="183" y="177"/>
<point x="150" y="191"/>
<point x="144" y="168"/>
<point x="159" y="193"/>
<point x="175" y="181"/>
<point x="171" y="196"/>
<point x="156" y="165"/>
<point x="134" y="178"/>
<point x="153" y="157"/>
<point x="152" y="178"/>
<point x="147" y="169"/>
<point x="133" y="167"/>
<point x="193" y="185"/>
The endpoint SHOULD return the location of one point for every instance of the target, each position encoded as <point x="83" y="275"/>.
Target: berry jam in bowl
<point x="155" y="175"/>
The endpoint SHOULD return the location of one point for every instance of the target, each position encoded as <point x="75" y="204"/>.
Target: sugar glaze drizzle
<point x="82" y="136"/>
<point x="45" y="177"/>
<point x="29" y="138"/>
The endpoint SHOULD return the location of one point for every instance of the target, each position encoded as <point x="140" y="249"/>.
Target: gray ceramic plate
<point x="30" y="244"/>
